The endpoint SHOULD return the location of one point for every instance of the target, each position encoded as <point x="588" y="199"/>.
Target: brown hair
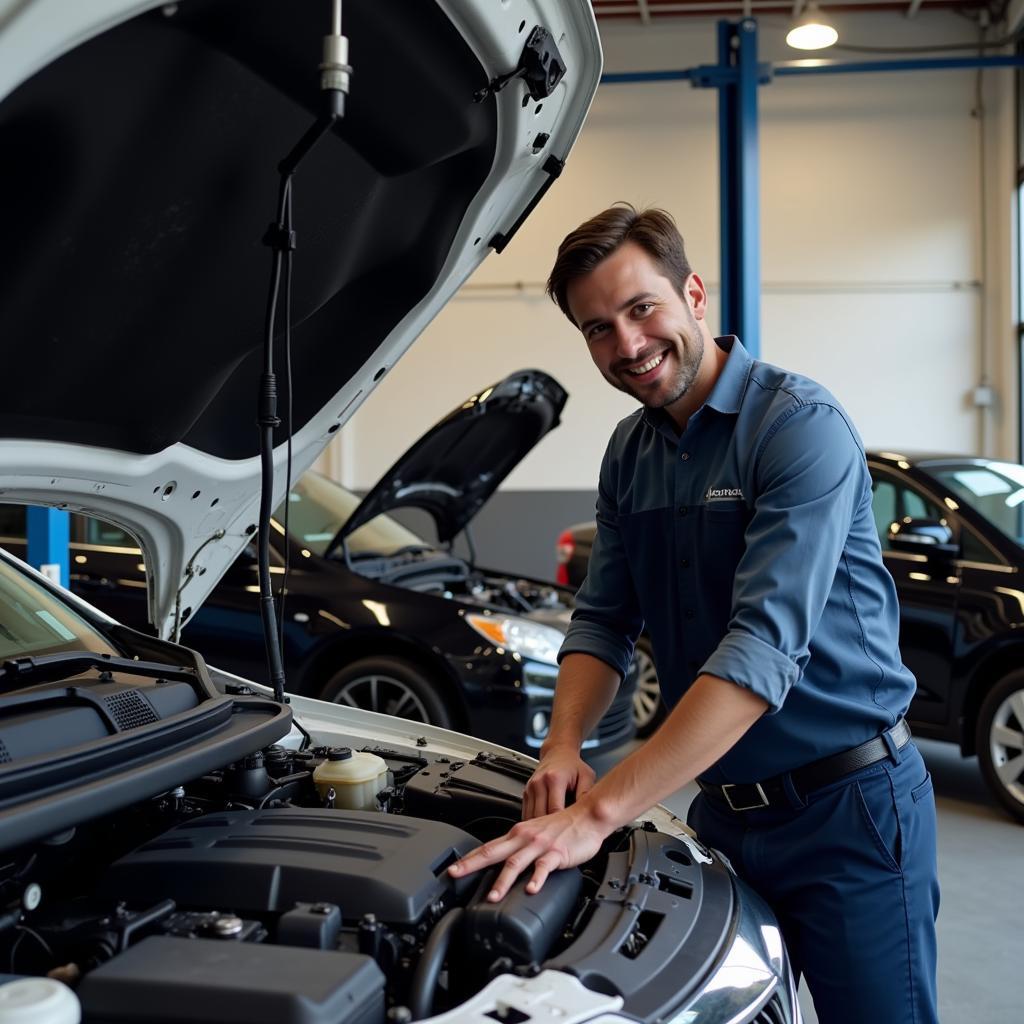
<point x="581" y="250"/>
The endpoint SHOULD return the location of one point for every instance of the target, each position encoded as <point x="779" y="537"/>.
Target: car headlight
<point x="522" y="637"/>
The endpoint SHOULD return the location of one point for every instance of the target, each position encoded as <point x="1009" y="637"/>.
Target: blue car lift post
<point x="48" y="534"/>
<point x="737" y="77"/>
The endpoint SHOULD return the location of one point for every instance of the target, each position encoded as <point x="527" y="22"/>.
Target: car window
<point x="883" y="505"/>
<point x="892" y="500"/>
<point x="994" y="490"/>
<point x="917" y="507"/>
<point x="318" y="508"/>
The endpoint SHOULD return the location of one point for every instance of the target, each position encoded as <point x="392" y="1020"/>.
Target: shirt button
<point x="684" y="563"/>
<point x="689" y="613"/>
<point x="683" y="510"/>
<point x="685" y="456"/>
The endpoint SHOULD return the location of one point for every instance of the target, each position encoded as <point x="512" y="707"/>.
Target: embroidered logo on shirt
<point x="723" y="494"/>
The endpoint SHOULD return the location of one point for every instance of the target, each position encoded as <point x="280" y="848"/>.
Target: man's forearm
<point x="585" y="690"/>
<point x="713" y="714"/>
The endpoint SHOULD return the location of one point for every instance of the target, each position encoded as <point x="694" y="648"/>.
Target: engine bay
<point x="430" y="571"/>
<point x="250" y="894"/>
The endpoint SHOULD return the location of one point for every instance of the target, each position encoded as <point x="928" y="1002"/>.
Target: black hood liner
<point x="139" y="174"/>
<point x="453" y="469"/>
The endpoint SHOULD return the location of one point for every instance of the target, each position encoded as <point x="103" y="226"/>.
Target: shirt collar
<point x="727" y="393"/>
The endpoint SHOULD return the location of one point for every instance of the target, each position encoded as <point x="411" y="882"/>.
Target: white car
<point x="179" y="844"/>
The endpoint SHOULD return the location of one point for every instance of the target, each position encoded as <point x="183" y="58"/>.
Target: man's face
<point x="642" y="335"/>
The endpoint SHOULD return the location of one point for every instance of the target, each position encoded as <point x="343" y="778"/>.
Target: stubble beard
<point x="690" y="355"/>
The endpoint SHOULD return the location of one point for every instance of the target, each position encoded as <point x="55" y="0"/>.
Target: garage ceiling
<point x="646" y="11"/>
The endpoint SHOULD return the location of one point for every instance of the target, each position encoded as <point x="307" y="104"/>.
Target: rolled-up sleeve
<point x="810" y="475"/>
<point x="607" y="618"/>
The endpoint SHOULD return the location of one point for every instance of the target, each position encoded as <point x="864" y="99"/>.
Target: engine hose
<point x="428" y="970"/>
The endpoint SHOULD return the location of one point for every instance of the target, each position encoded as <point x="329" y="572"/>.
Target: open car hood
<point x="145" y="139"/>
<point x="455" y="467"/>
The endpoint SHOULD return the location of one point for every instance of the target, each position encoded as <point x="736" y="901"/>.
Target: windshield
<point x="994" y="489"/>
<point x="317" y="510"/>
<point x="33" y="622"/>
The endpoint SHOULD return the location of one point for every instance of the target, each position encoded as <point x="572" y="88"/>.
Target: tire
<point x="1000" y="742"/>
<point x="390" y="686"/>
<point x="648" y="707"/>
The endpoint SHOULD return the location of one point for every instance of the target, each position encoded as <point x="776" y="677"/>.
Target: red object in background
<point x="564" y="548"/>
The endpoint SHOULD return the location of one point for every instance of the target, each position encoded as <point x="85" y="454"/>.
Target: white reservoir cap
<point x="38" y="1001"/>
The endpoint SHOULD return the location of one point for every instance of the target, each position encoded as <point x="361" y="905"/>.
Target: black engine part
<point x="523" y="927"/>
<point x="267" y="861"/>
<point x="470" y="794"/>
<point x="203" y="981"/>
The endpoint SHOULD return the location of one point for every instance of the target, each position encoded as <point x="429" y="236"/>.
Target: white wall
<point x="871" y="254"/>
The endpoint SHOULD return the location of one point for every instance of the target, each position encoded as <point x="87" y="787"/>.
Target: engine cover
<point x="203" y="981"/>
<point x="267" y="861"/>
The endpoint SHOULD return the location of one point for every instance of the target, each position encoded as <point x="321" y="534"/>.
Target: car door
<point x="927" y="584"/>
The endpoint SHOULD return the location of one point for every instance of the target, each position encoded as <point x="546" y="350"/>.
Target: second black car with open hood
<point x="375" y="615"/>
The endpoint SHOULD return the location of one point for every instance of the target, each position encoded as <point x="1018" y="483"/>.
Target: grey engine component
<point x="204" y="981"/>
<point x="266" y="861"/>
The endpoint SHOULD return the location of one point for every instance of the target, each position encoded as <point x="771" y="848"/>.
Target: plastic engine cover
<point x="266" y="861"/>
<point x="523" y="926"/>
<point x="206" y="981"/>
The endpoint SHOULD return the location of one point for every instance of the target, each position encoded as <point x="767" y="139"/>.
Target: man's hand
<point x="712" y="715"/>
<point x="559" y="840"/>
<point x="560" y="769"/>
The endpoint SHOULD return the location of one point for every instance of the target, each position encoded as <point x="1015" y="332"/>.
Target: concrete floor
<point x="981" y="919"/>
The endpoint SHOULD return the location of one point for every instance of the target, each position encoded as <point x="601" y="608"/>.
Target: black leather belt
<point x="753" y="796"/>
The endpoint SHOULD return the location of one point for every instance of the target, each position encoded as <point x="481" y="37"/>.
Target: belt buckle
<point x="744" y="807"/>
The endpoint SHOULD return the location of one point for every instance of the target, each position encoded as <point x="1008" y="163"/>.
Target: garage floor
<point x="980" y="855"/>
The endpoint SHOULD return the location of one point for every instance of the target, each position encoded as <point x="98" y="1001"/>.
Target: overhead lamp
<point x="811" y="31"/>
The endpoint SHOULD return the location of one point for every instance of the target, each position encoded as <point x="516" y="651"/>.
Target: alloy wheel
<point x="1006" y="744"/>
<point x="384" y="694"/>
<point x="647" y="696"/>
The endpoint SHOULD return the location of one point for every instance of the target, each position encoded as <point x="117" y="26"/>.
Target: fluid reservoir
<point x="355" y="776"/>
<point x="38" y="1001"/>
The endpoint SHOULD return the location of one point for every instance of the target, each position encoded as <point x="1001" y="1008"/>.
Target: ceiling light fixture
<point x="811" y="31"/>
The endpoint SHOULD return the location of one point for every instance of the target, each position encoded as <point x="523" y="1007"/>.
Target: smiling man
<point x="734" y="521"/>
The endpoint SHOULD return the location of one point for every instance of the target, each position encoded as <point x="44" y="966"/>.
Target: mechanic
<point x="734" y="519"/>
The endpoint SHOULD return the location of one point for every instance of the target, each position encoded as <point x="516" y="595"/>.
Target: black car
<point x="952" y="534"/>
<point x="375" y="616"/>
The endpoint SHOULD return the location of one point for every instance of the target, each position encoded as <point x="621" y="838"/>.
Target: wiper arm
<point x="51" y="667"/>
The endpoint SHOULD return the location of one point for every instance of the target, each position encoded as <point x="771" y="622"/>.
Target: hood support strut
<point x="280" y="237"/>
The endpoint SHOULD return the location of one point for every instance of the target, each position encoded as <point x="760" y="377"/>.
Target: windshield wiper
<point x="49" y="668"/>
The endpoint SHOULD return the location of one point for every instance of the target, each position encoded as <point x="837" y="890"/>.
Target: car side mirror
<point x="922" y="536"/>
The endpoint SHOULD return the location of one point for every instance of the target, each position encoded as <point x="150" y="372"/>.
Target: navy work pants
<point x="851" y="875"/>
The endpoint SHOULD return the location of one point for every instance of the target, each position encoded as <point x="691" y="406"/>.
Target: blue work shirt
<point x="747" y="547"/>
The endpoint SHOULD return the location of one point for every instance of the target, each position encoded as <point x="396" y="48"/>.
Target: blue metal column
<point x="48" y="535"/>
<point x="739" y="195"/>
<point x="737" y="76"/>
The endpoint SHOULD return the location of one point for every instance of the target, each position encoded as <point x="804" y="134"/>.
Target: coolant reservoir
<point x="38" y="1001"/>
<point x="355" y="776"/>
